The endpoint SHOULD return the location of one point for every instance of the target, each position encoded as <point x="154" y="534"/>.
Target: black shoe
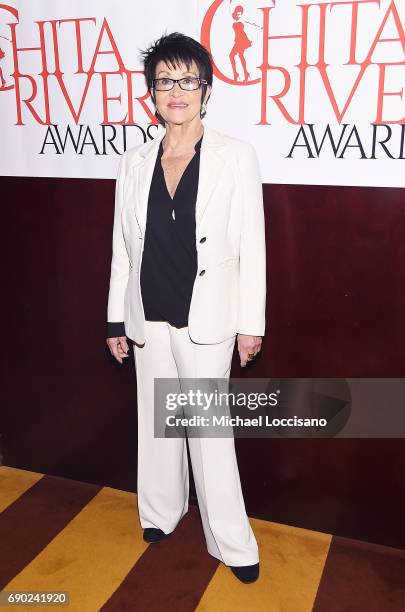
<point x="152" y="534"/>
<point x="246" y="573"/>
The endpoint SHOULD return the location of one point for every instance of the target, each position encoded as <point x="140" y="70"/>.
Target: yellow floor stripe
<point x="291" y="564"/>
<point x="91" y="556"/>
<point x="14" y="483"/>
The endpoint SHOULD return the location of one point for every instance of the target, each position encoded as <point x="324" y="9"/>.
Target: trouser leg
<point x="163" y="480"/>
<point x="227" y="530"/>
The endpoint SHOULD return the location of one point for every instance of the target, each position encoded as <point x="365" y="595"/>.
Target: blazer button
<point x="202" y="272"/>
<point x="203" y="239"/>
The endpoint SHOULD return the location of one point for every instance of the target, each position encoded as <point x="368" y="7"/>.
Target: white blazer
<point x="229" y="292"/>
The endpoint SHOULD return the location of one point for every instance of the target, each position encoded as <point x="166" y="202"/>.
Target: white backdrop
<point x="321" y="95"/>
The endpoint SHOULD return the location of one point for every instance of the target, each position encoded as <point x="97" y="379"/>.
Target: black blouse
<point x="169" y="260"/>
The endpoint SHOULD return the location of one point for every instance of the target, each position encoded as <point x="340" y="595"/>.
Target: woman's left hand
<point x="248" y="347"/>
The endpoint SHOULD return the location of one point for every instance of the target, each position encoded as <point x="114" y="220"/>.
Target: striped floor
<point x="62" y="535"/>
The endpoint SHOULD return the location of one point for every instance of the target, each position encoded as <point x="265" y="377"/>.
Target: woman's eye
<point x="165" y="81"/>
<point x="188" y="80"/>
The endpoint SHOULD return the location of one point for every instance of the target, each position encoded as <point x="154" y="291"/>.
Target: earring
<point x="203" y="110"/>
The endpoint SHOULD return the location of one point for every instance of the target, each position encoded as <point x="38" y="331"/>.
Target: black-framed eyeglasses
<point x="186" y="83"/>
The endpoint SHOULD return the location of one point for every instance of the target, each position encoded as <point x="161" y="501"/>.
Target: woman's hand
<point x="248" y="347"/>
<point x="118" y="347"/>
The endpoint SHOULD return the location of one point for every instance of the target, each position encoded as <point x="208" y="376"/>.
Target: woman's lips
<point x="177" y="105"/>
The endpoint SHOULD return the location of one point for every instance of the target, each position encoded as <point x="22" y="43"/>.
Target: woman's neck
<point x="181" y="138"/>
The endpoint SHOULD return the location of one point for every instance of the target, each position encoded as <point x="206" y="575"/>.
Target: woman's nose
<point x="176" y="88"/>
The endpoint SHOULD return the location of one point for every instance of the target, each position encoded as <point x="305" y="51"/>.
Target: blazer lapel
<point x="210" y="170"/>
<point x="142" y="172"/>
<point x="211" y="164"/>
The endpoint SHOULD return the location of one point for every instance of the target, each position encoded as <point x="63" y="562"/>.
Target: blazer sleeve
<point x="252" y="254"/>
<point x="120" y="261"/>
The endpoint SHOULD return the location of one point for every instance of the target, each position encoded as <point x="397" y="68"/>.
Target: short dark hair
<point x="238" y="9"/>
<point x="175" y="49"/>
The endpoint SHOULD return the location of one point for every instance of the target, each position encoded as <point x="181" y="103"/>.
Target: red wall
<point x="336" y="308"/>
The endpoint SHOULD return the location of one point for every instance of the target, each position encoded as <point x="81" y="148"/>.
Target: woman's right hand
<point x="118" y="347"/>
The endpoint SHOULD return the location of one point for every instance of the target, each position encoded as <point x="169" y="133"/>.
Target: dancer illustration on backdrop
<point x="2" y="79"/>
<point x="242" y="42"/>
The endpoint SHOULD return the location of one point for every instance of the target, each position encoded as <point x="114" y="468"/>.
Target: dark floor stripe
<point x="360" y="577"/>
<point x="35" y="518"/>
<point x="171" y="575"/>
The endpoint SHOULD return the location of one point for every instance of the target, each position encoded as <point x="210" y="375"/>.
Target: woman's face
<point x="178" y="106"/>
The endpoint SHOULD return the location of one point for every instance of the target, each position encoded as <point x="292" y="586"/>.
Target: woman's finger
<point x="113" y="346"/>
<point x="116" y="352"/>
<point x="123" y="347"/>
<point x="124" y="344"/>
<point x="243" y="353"/>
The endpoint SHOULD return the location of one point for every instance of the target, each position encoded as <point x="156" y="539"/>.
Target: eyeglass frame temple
<point x="201" y="81"/>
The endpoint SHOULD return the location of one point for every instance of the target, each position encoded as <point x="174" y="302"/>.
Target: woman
<point x="187" y="279"/>
<point x="2" y="79"/>
<point x="242" y="42"/>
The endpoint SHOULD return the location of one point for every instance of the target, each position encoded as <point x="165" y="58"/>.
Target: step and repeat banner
<point x="316" y="87"/>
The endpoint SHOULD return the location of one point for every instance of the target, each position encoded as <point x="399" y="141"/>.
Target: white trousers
<point x="163" y="479"/>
